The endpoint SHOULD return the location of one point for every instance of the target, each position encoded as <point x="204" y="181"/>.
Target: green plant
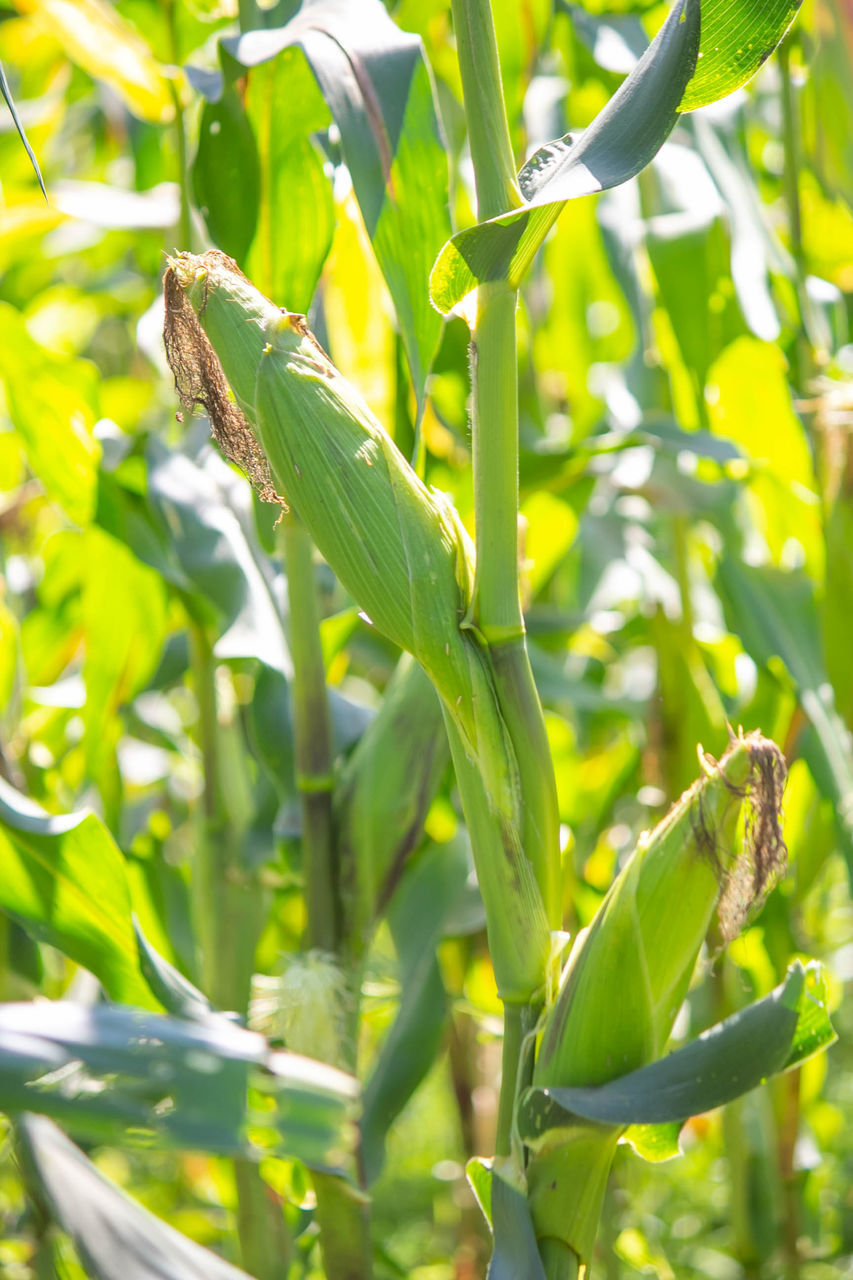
<point x="320" y="828"/>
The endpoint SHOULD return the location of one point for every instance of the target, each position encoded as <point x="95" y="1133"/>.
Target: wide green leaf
<point x="116" y="1238"/>
<point x="723" y="1063"/>
<point x="620" y="142"/>
<point x="120" y="1074"/>
<point x="376" y="82"/>
<point x="296" y="212"/>
<point x="124" y="620"/>
<point x="205" y="509"/>
<point x="64" y="879"/>
<point x="226" y="170"/>
<point x="53" y="406"/>
<point x="737" y="37"/>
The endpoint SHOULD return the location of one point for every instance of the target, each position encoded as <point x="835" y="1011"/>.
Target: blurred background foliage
<point x="687" y="533"/>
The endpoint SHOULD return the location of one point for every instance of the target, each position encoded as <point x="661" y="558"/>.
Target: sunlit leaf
<point x="124" y="620"/>
<point x="737" y="37"/>
<point x="53" y="406"/>
<point x="296" y="213"/>
<point x="749" y="402"/>
<point x="64" y="879"/>
<point x="95" y="36"/>
<point x="377" y="84"/>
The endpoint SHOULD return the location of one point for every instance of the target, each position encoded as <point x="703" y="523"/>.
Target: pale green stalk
<point x="496" y="610"/>
<point x="342" y="1211"/>
<point x="229" y="909"/>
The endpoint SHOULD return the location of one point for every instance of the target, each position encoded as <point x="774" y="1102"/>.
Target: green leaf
<point x="738" y="36"/>
<point x="515" y="1253"/>
<point x="176" y="993"/>
<point x="97" y="37"/>
<point x="437" y="877"/>
<point x="119" y="1074"/>
<point x="296" y="214"/>
<point x="204" y="510"/>
<point x="720" y="1065"/>
<point x="620" y="142"/>
<point x="10" y="103"/>
<point x="375" y="80"/>
<point x="53" y="407"/>
<point x="64" y="879"/>
<point x="479" y="1174"/>
<point x="116" y="1238"/>
<point x="124" y="619"/>
<point x="226" y="170"/>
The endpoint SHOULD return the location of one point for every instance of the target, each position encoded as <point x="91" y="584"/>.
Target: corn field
<point x="426" y="577"/>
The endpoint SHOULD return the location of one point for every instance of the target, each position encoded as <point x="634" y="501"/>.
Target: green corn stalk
<point x="302" y="432"/>
<point x="629" y="972"/>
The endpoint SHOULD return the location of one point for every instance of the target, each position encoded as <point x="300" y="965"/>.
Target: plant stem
<point x="497" y="606"/>
<point x="226" y="956"/>
<point x="485" y="112"/>
<point x="229" y="915"/>
<point x="343" y="1213"/>
<point x="312" y="740"/>
<point x="809" y="325"/>
<point x="519" y="1021"/>
<point x="496" y="609"/>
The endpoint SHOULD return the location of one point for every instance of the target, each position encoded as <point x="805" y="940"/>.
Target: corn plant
<point x="315" y="820"/>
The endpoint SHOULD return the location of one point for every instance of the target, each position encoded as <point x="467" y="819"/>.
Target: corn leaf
<point x="515" y="1254"/>
<point x="205" y="509"/>
<point x="226" y="172"/>
<point x="10" y="103"/>
<point x="296" y="213"/>
<point x="53" y="405"/>
<point x="704" y="51"/>
<point x="64" y="880"/>
<point x="376" y="82"/>
<point x="208" y="1086"/>
<point x="124" y="619"/>
<point x="95" y="36"/>
<point x="737" y="37"/>
<point x="176" y="993"/>
<point x="722" y="1064"/>
<point x="620" y="142"/>
<point x="438" y="877"/>
<point x="116" y="1238"/>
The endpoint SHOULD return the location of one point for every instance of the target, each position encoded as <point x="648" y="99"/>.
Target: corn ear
<point x="628" y="974"/>
<point x="307" y="439"/>
<point x="627" y="977"/>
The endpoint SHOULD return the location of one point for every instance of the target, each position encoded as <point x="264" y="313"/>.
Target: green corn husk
<point x="628" y="974"/>
<point x="306" y="437"/>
